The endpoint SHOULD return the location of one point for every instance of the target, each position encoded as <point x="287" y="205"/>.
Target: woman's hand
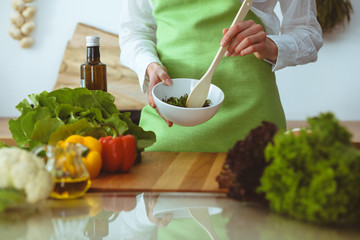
<point x="157" y="73"/>
<point x="248" y="37"/>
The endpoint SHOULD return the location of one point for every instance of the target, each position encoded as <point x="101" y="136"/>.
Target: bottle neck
<point x="93" y="54"/>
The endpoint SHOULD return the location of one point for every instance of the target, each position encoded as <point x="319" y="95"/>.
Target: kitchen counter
<point x="159" y="216"/>
<point x="154" y="201"/>
<point x="170" y="171"/>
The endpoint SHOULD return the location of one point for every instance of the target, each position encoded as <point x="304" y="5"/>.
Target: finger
<point x="152" y="104"/>
<point x="234" y="30"/>
<point x="149" y="93"/>
<point x="169" y="123"/>
<point x="251" y="44"/>
<point x="151" y="99"/>
<point x="250" y="49"/>
<point x="232" y="46"/>
<point x="225" y="30"/>
<point x="253" y="30"/>
<point x="164" y="76"/>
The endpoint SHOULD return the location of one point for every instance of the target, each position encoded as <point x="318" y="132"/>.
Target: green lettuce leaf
<point x="44" y="128"/>
<point x="144" y="138"/>
<point x="314" y="176"/>
<point x="64" y="131"/>
<point x="53" y="116"/>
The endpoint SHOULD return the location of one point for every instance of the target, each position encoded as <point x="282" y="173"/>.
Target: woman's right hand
<point x="157" y="73"/>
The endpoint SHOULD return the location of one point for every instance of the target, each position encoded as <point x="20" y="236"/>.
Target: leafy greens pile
<point x="314" y="176"/>
<point x="55" y="115"/>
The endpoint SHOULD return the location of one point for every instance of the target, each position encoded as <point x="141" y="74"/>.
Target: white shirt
<point x="298" y="37"/>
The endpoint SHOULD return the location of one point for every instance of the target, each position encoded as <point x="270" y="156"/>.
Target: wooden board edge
<point x="96" y="29"/>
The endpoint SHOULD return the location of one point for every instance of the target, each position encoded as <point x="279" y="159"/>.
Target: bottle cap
<point x="92" y="41"/>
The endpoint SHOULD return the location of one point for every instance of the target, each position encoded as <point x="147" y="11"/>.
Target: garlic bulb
<point x="17" y="5"/>
<point x="27" y="28"/>
<point x="22" y="24"/>
<point x="29" y="12"/>
<point x="17" y="19"/>
<point x="15" y="33"/>
<point x="26" y="42"/>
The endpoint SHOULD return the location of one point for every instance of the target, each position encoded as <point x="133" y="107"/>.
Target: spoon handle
<point x="240" y="16"/>
<point x="198" y="94"/>
<point x="201" y="216"/>
<point x="245" y="7"/>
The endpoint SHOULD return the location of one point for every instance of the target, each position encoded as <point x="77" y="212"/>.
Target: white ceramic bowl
<point x="181" y="115"/>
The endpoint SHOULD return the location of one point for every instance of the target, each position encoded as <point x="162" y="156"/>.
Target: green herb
<point x="181" y="101"/>
<point x="58" y="114"/>
<point x="314" y="176"/>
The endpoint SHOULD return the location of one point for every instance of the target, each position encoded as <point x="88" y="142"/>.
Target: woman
<point x="162" y="39"/>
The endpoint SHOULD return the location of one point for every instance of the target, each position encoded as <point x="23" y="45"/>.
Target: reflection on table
<point x="158" y="216"/>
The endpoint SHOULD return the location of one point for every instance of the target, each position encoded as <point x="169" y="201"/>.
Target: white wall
<point x="26" y="71"/>
<point x="330" y="84"/>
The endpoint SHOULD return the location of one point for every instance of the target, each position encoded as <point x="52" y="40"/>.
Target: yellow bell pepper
<point x="92" y="160"/>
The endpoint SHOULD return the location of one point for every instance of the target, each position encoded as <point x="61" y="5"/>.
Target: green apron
<point x="189" y="229"/>
<point x="188" y="37"/>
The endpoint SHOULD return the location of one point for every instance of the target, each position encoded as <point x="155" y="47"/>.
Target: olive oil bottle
<point x="93" y="72"/>
<point x="69" y="188"/>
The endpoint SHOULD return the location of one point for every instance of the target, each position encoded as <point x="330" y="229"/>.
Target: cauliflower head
<point x="22" y="170"/>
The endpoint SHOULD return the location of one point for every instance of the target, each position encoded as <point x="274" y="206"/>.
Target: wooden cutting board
<point x="122" y="82"/>
<point x="167" y="171"/>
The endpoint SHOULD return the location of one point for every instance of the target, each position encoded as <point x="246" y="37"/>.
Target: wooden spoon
<point x="198" y="94"/>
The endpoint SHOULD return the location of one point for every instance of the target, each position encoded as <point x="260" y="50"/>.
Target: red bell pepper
<point x="119" y="153"/>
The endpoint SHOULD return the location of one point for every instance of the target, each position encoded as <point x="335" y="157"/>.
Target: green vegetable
<point x="11" y="196"/>
<point x="2" y="144"/>
<point x="58" y="114"/>
<point x="181" y="101"/>
<point x="22" y="170"/>
<point x="314" y="176"/>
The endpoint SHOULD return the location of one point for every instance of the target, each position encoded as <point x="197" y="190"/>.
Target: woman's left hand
<point x="248" y="37"/>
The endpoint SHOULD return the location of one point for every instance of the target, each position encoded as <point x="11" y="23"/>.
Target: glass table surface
<point x="152" y="215"/>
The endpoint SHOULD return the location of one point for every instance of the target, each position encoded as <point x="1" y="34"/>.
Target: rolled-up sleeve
<point x="300" y="36"/>
<point x="137" y="38"/>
